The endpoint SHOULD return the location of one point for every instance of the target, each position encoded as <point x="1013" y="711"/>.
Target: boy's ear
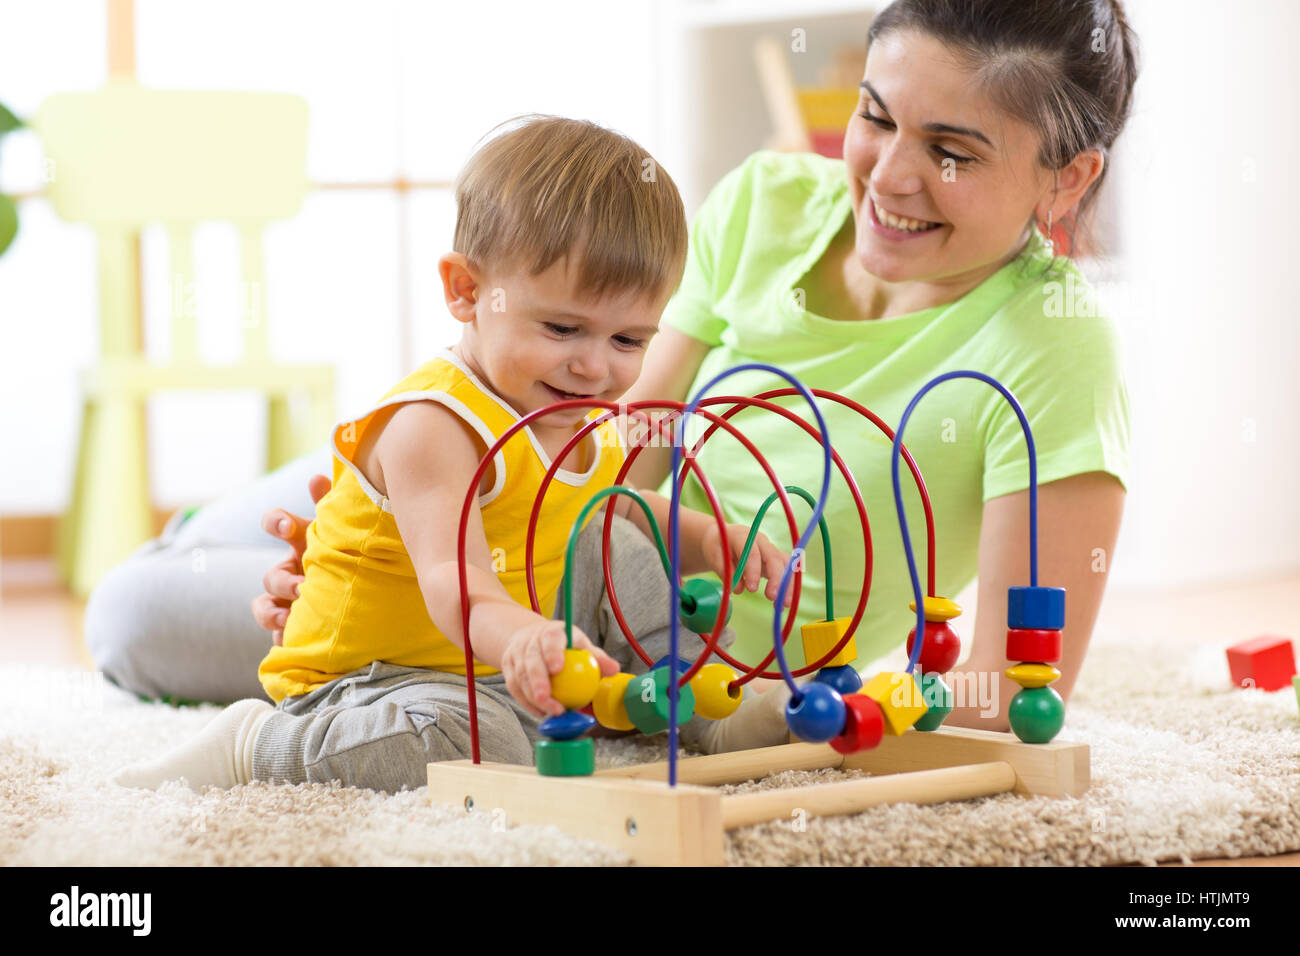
<point x="461" y="283"/>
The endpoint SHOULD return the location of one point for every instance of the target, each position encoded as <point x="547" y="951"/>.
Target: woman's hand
<point x="534" y="655"/>
<point x="271" y="610"/>
<point x="766" y="560"/>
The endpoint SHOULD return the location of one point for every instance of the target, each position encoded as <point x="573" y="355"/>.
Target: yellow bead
<point x="576" y="684"/>
<point x="937" y="608"/>
<point x="608" y="705"/>
<point x="820" y="636"/>
<point x="1032" y="675"/>
<point x="712" y="700"/>
<point x="899" y="697"/>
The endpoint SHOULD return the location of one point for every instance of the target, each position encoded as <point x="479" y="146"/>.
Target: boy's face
<point x="536" y="340"/>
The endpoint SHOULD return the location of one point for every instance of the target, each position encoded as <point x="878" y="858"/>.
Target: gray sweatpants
<point x="379" y="726"/>
<point x="175" y="618"/>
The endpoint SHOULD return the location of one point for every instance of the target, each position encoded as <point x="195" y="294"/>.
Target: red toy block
<point x="1266" y="663"/>
<point x="1033" y="645"/>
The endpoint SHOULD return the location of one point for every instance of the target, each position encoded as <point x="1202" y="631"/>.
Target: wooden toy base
<point x="632" y="809"/>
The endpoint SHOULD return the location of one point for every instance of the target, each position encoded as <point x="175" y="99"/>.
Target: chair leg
<point x="279" y="431"/>
<point x="285" y="439"/>
<point x="70" y="522"/>
<point x="110" y="514"/>
<point x="322" y="416"/>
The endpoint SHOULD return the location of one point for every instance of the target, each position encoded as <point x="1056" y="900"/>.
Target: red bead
<point x="1033" y="645"/>
<point x="864" y="725"/>
<point x="1266" y="663"/>
<point x="940" y="650"/>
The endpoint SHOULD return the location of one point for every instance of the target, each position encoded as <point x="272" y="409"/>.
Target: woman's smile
<point x="898" y="228"/>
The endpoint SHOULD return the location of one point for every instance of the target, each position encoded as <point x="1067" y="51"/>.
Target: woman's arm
<point x="671" y="363"/>
<point x="271" y="610"/>
<point x="1078" y="522"/>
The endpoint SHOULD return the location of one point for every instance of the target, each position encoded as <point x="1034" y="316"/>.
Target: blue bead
<point x="566" y="726"/>
<point x="816" y="714"/>
<point x="682" y="665"/>
<point x="1036" y="608"/>
<point x="844" y="679"/>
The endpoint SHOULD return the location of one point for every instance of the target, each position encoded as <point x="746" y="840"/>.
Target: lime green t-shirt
<point x="751" y="244"/>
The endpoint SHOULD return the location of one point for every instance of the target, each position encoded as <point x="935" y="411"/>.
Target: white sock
<point x="220" y="756"/>
<point x="759" y="721"/>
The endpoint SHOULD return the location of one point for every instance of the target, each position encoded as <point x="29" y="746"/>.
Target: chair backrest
<point x="126" y="156"/>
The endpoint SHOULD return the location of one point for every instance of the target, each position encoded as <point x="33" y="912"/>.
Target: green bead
<point x="938" y="698"/>
<point x="565" y="758"/>
<point x="1036" y="714"/>
<point x="700" y="599"/>
<point x="646" y="699"/>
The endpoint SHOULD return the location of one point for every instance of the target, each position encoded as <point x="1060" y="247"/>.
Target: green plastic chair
<point x="124" y="157"/>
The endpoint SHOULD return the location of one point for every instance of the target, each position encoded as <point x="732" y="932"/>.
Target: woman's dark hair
<point x="1064" y="67"/>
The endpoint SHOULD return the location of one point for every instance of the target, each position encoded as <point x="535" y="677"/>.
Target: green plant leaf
<point x="8" y="222"/>
<point x="8" y="121"/>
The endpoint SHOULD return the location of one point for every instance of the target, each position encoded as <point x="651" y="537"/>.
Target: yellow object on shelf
<point x="827" y="108"/>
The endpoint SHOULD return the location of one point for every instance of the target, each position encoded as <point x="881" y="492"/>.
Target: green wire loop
<point x="826" y="544"/>
<point x="663" y="551"/>
<point x="573" y="540"/>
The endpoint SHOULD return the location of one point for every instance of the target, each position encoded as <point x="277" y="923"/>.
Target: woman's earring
<point x="1051" y="248"/>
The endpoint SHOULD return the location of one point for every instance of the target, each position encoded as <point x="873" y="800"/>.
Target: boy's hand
<point x="766" y="560"/>
<point x="534" y="655"/>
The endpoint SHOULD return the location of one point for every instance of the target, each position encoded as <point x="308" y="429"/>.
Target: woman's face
<point x="972" y="191"/>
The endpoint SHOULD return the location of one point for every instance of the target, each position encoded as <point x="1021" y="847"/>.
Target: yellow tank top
<point x="360" y="601"/>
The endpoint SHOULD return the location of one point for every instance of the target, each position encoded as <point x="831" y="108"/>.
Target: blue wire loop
<point x="902" y="516"/>
<point x="674" y="535"/>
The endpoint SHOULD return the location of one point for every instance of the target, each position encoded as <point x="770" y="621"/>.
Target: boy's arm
<point x="694" y="527"/>
<point x="701" y="547"/>
<point x="427" y="456"/>
<point x="672" y="361"/>
<point x="427" y="459"/>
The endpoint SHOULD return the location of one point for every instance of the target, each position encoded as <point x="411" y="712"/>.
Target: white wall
<point x="1204" y="198"/>
<point x="1208" y="199"/>
<point x="395" y="87"/>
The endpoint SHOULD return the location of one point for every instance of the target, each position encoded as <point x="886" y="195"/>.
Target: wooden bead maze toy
<point x="891" y="725"/>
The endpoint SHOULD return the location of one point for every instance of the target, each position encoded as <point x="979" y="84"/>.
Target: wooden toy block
<point x="820" y="636"/>
<point x="1033" y="675"/>
<point x="940" y="649"/>
<point x="937" y="608"/>
<point x="608" y="707"/>
<point x="1036" y="608"/>
<point x="1265" y="663"/>
<point x="899" y="697"/>
<point x="575" y="686"/>
<point x="713" y="697"/>
<point x="864" y="725"/>
<point x="1033" y="645"/>
<point x="633" y="810"/>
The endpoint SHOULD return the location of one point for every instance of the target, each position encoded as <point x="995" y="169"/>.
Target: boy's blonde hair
<point x="552" y="187"/>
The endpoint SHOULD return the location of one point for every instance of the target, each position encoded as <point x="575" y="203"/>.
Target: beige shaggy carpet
<point x="1183" y="767"/>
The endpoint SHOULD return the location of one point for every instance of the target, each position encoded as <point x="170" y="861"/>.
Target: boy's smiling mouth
<point x="562" y="395"/>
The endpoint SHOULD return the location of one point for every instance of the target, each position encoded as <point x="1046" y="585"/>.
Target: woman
<point x="978" y="125"/>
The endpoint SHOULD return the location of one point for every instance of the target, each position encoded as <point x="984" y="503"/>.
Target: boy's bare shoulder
<point x="413" y="440"/>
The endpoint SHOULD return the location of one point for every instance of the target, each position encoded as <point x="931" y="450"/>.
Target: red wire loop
<point x="723" y="421"/>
